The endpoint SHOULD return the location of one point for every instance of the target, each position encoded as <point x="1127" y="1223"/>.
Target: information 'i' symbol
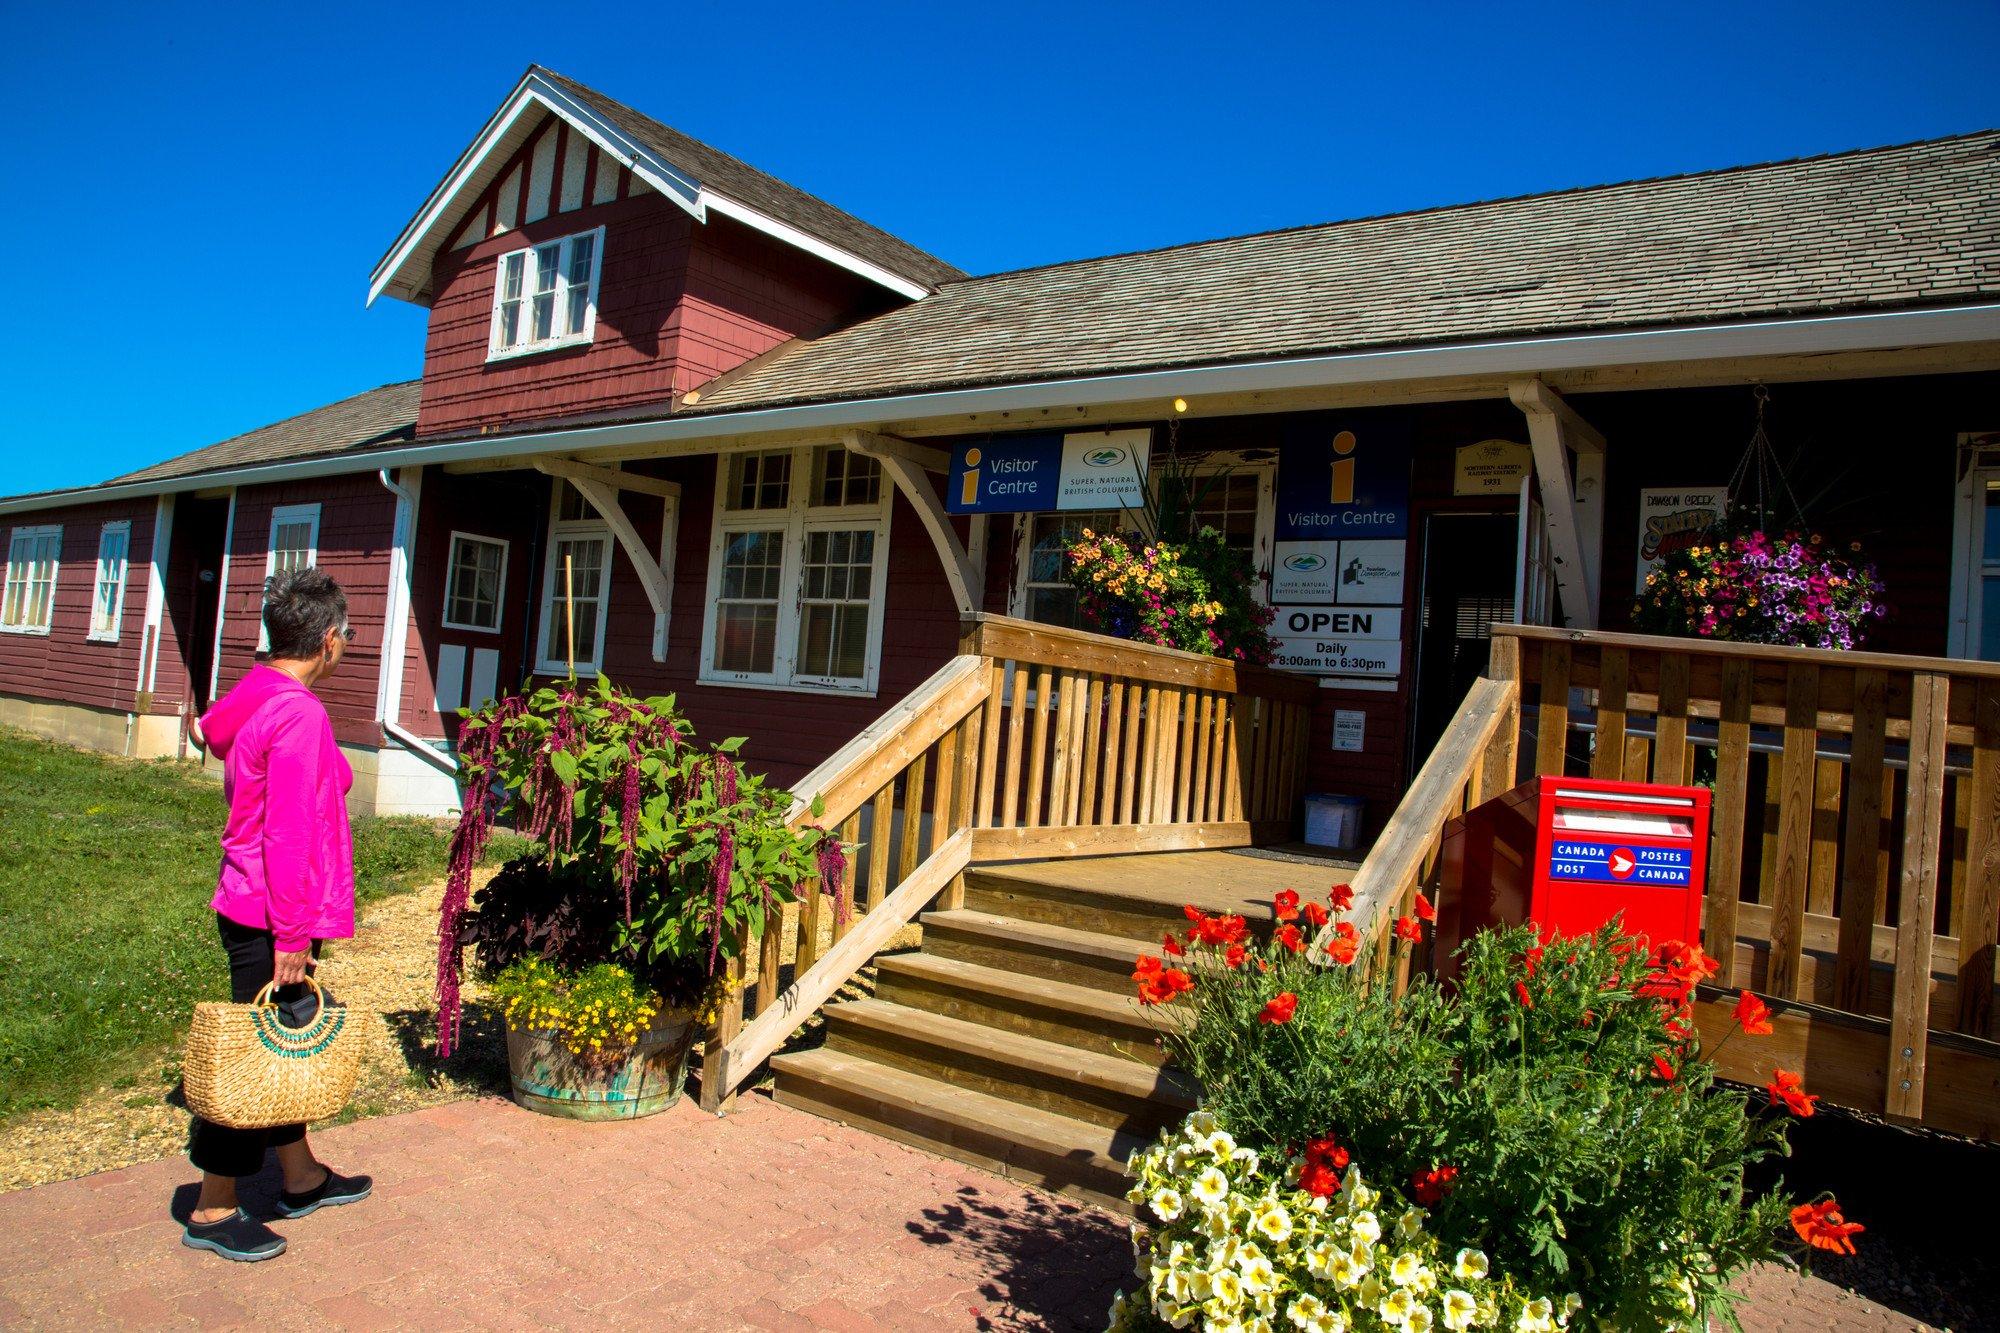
<point x="969" y="494"/>
<point x="1343" y="468"/>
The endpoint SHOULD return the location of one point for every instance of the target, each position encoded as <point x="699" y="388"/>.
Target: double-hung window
<point x="576" y="587"/>
<point x="545" y="296"/>
<point x="28" y="602"/>
<point x="1043" y="591"/>
<point x="294" y="545"/>
<point x="796" y="571"/>
<point x="475" y="582"/>
<point x="107" y="599"/>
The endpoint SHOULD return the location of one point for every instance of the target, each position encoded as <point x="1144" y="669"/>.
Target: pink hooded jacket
<point x="287" y="861"/>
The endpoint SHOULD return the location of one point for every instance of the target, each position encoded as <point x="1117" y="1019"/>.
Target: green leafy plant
<point x="651" y="852"/>
<point x="1555" y="1110"/>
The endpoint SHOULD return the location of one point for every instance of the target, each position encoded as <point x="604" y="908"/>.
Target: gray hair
<point x="300" y="606"/>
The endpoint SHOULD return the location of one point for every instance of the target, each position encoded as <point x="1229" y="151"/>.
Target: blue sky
<point x="198" y="193"/>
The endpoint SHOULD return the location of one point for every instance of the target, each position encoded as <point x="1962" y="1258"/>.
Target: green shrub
<point x="1555" y="1110"/>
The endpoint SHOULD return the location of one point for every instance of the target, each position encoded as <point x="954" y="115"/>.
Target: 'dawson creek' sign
<point x="1096" y="469"/>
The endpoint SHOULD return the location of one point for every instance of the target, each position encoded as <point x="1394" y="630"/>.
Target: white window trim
<point x="280" y="516"/>
<point x="14" y="538"/>
<point x="581" y="337"/>
<point x="500" y="607"/>
<point x="796" y="519"/>
<point x="1980" y="460"/>
<point x="574" y="529"/>
<point x="109" y="634"/>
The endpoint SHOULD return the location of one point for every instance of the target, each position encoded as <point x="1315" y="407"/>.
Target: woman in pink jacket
<point x="287" y="882"/>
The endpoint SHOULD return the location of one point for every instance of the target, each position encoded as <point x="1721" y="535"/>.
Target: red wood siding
<point x="355" y="523"/>
<point x="512" y="508"/>
<point x="63" y="665"/>
<point x="788" y="732"/>
<point x="678" y="303"/>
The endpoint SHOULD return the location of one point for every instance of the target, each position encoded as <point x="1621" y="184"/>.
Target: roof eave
<point x="1523" y="356"/>
<point x="404" y="272"/>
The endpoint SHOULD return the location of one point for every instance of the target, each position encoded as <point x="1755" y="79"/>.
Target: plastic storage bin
<point x="1333" y="821"/>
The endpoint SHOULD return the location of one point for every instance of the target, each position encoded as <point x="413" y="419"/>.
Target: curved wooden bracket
<point x="906" y="463"/>
<point x="595" y="486"/>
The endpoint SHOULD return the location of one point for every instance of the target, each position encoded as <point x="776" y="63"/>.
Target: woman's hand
<point x="289" y="969"/>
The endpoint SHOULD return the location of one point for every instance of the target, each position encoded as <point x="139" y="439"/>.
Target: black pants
<point x="218" y="1149"/>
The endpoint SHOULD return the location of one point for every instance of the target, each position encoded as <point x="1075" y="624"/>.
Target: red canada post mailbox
<point x="1570" y="853"/>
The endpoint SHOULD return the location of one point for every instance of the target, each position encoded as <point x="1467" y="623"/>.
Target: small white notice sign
<point x="1350" y="729"/>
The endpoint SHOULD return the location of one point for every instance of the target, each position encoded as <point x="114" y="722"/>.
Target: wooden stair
<point x="1013" y="1040"/>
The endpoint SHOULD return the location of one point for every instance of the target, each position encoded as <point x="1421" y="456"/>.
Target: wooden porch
<point x="1854" y="870"/>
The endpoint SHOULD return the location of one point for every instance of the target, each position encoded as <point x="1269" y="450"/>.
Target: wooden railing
<point x="1033" y="742"/>
<point x="1854" y="863"/>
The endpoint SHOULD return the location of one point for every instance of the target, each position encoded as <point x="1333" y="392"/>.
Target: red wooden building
<point x="723" y="427"/>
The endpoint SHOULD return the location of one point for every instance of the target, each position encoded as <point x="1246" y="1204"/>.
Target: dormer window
<point x="545" y="296"/>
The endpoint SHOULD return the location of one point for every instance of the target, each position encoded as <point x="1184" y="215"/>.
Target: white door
<point x="1975" y="567"/>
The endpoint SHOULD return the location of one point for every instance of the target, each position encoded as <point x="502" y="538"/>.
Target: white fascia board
<point x="812" y="245"/>
<point x="531" y="93"/>
<point x="1146" y="390"/>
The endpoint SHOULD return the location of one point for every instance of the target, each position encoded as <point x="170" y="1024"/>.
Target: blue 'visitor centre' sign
<point x="1093" y="469"/>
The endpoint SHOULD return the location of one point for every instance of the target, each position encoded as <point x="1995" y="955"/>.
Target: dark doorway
<point x="194" y="582"/>
<point x="1468" y="583"/>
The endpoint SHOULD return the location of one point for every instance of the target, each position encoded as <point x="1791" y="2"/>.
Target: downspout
<point x="396" y="622"/>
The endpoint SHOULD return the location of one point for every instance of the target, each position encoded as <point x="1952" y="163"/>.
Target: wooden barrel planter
<point x="547" y="1078"/>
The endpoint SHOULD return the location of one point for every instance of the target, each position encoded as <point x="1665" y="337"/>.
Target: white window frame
<point x="1979" y="461"/>
<point x="795" y="520"/>
<point x="281" y="516"/>
<point x="451" y="569"/>
<point x="107" y="631"/>
<point x="548" y="660"/>
<point x="20" y="568"/>
<point x="495" y="350"/>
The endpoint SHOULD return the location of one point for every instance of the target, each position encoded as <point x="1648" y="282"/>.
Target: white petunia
<point x="1366" y="1228"/>
<point x="1396" y="1306"/>
<point x="1210" y="1188"/>
<point x="1459" y="1309"/>
<point x="1259" y="1276"/>
<point x="1537" y="1316"/>
<point x="1167" y="1204"/>
<point x="1411" y="1223"/>
<point x="1470" y="1266"/>
<point x="1275" y="1224"/>
<point x="1305" y="1309"/>
<point x="1418" y="1320"/>
<point x="1405" y="1268"/>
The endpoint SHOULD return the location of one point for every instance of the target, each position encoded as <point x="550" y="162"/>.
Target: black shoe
<point x="335" y="1190"/>
<point x="238" y="1236"/>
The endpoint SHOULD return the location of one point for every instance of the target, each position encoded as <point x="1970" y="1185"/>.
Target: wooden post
<point x="1861" y="885"/>
<point x="1670" y="724"/>
<point x="569" y="609"/>
<point x="1793" y="863"/>
<point x="1552" y="713"/>
<point x="1979" y="928"/>
<point x="1725" y="856"/>
<point x="1909" y="1017"/>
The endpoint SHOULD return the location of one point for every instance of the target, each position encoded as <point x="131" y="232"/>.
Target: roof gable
<point x="686" y="171"/>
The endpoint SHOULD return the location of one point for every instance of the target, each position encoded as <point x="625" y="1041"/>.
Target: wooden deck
<point x="1233" y="880"/>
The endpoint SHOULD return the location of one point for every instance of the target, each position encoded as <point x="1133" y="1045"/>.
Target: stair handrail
<point x="1225" y="752"/>
<point x="1473" y="759"/>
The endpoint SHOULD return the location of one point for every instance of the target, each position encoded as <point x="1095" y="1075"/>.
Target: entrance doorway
<point x="1469" y="571"/>
<point x="194" y="589"/>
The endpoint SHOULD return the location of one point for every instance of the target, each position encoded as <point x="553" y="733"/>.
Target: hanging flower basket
<point x="1788" y="588"/>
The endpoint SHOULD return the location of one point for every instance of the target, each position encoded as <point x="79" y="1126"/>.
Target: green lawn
<point x="106" y="938"/>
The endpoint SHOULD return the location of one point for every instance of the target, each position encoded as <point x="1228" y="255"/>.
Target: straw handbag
<point x="246" y="1070"/>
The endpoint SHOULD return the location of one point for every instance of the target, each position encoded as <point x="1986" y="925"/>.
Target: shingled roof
<point x="1877" y="229"/>
<point x="738" y="180"/>
<point x="370" y="420"/>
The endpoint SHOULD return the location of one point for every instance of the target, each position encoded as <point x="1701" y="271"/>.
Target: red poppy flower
<point x="1521" y="994"/>
<point x="1327" y="1150"/>
<point x="1789" y="1091"/>
<point x="1319" y="1180"/>
<point x="1432" y="1185"/>
<point x="1285" y="906"/>
<point x="1341" y="950"/>
<point x="1193" y="913"/>
<point x="1532" y="959"/>
<point x="1425" y="911"/>
<point x="1171" y="946"/>
<point x="1233" y="956"/>
<point x="1341" y="896"/>
<point x="1316" y="916"/>
<point x="1289" y="936"/>
<point x="1821" y="1226"/>
<point x="1221" y="929"/>
<point x="1408" y="929"/>
<point x="1663" y="1069"/>
<point x="1753" y="1015"/>
<point x="1163" y="984"/>
<point x="1279" y="1008"/>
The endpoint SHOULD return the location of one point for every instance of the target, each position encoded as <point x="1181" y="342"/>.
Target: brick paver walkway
<point x="487" y="1216"/>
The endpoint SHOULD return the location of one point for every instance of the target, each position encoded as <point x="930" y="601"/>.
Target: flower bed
<point x="1552" y="1122"/>
<point x="1197" y="595"/>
